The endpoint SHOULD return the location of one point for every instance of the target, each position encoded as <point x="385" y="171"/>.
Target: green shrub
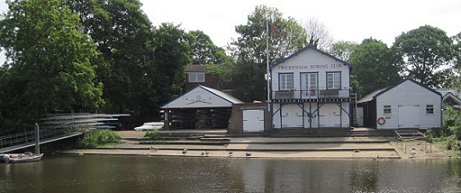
<point x="99" y="137"/>
<point x="456" y="131"/>
<point x="439" y="132"/>
<point x="153" y="134"/>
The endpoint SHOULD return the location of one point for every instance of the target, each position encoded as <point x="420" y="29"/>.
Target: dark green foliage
<point x="99" y="137"/>
<point x="343" y="49"/>
<point x="124" y="36"/>
<point x="449" y="136"/>
<point x="50" y="66"/>
<point x="422" y="52"/>
<point x="452" y="118"/>
<point x="372" y="67"/>
<point x="143" y="66"/>
<point x="204" y="51"/>
<point x="152" y="135"/>
<point x="172" y="54"/>
<point x="250" y="50"/>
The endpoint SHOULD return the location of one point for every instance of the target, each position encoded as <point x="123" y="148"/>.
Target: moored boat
<point x="22" y="157"/>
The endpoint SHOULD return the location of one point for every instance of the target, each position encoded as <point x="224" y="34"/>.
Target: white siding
<point x="409" y="95"/>
<point x="310" y="61"/>
<point x="198" y="98"/>
<point x="331" y="115"/>
<point x="291" y="116"/>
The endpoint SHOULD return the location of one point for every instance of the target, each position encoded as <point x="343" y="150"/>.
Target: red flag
<point x="273" y="29"/>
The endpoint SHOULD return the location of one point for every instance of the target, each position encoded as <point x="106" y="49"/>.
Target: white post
<point x="267" y="63"/>
<point x="268" y="77"/>
<point x="37" y="138"/>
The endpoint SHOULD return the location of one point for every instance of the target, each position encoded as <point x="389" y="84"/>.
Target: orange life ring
<point x="381" y="121"/>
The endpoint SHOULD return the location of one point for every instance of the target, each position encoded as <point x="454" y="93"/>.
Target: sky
<point x="351" y="20"/>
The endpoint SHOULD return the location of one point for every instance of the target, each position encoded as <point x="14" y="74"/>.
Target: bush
<point x="99" y="137"/>
<point x="456" y="130"/>
<point x="153" y="135"/>
<point x="438" y="132"/>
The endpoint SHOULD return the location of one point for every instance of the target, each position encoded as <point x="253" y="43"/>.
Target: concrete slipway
<point x="279" y="148"/>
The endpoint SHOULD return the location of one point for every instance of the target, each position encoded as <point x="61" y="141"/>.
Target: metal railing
<point x="311" y="94"/>
<point x="29" y="137"/>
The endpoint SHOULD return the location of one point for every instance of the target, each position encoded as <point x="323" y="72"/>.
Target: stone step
<point x="219" y="139"/>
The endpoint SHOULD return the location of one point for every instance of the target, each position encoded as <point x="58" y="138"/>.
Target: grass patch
<point x="446" y="140"/>
<point x="99" y="138"/>
<point x="152" y="135"/>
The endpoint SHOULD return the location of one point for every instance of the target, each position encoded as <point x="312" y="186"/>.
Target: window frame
<point x="334" y="80"/>
<point x="429" y="109"/>
<point x="194" y="77"/>
<point x="387" y="109"/>
<point x="280" y="81"/>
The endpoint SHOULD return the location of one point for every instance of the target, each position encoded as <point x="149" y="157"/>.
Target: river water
<point x="136" y="174"/>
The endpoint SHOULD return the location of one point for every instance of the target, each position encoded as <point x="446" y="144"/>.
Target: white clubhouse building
<point x="310" y="89"/>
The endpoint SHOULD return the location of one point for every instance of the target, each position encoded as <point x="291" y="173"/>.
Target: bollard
<point x="37" y="138"/>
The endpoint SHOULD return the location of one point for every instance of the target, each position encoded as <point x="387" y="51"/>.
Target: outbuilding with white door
<point x="407" y="104"/>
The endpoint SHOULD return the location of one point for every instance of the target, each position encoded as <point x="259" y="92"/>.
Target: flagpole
<point x="268" y="75"/>
<point x="267" y="62"/>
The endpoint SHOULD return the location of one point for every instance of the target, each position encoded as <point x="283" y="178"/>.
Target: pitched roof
<point x="376" y="93"/>
<point x="453" y="98"/>
<point x="195" y="68"/>
<point x="310" y="47"/>
<point x="176" y="103"/>
<point x="223" y="95"/>
<point x="371" y="96"/>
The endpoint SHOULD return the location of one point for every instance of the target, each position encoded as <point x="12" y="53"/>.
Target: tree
<point x="129" y="71"/>
<point x="172" y="53"/>
<point x="204" y="51"/>
<point x="372" y="66"/>
<point x="318" y="35"/>
<point x="457" y="50"/>
<point x="423" y="53"/>
<point x="144" y="64"/>
<point x="50" y="62"/>
<point x="250" y="49"/>
<point x="343" y="49"/>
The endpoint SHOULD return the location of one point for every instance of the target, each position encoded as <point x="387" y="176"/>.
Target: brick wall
<point x="236" y="119"/>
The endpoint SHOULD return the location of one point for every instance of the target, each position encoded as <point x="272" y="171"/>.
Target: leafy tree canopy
<point x="372" y="66"/>
<point x="424" y="53"/>
<point x="204" y="51"/>
<point x="172" y="53"/>
<point x="343" y="49"/>
<point x="124" y="36"/>
<point x="50" y="62"/>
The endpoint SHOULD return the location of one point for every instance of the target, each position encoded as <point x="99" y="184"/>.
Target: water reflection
<point x="156" y="174"/>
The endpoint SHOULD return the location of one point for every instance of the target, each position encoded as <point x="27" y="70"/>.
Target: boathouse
<point x="407" y="104"/>
<point x="200" y="108"/>
<point x="310" y="89"/>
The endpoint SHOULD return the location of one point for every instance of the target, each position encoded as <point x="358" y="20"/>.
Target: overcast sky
<point x="351" y="20"/>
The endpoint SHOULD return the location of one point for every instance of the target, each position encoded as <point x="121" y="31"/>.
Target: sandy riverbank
<point x="264" y="147"/>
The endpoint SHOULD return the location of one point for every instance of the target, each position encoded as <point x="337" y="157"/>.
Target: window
<point x="387" y="109"/>
<point x="309" y="82"/>
<point x="429" y="109"/>
<point x="333" y="80"/>
<point x="286" y="81"/>
<point x="196" y="77"/>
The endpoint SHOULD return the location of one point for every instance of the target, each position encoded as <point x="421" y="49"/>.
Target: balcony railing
<point x="311" y="94"/>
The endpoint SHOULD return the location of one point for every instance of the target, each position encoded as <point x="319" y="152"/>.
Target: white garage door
<point x="253" y="120"/>
<point x="409" y="116"/>
<point x="292" y="116"/>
